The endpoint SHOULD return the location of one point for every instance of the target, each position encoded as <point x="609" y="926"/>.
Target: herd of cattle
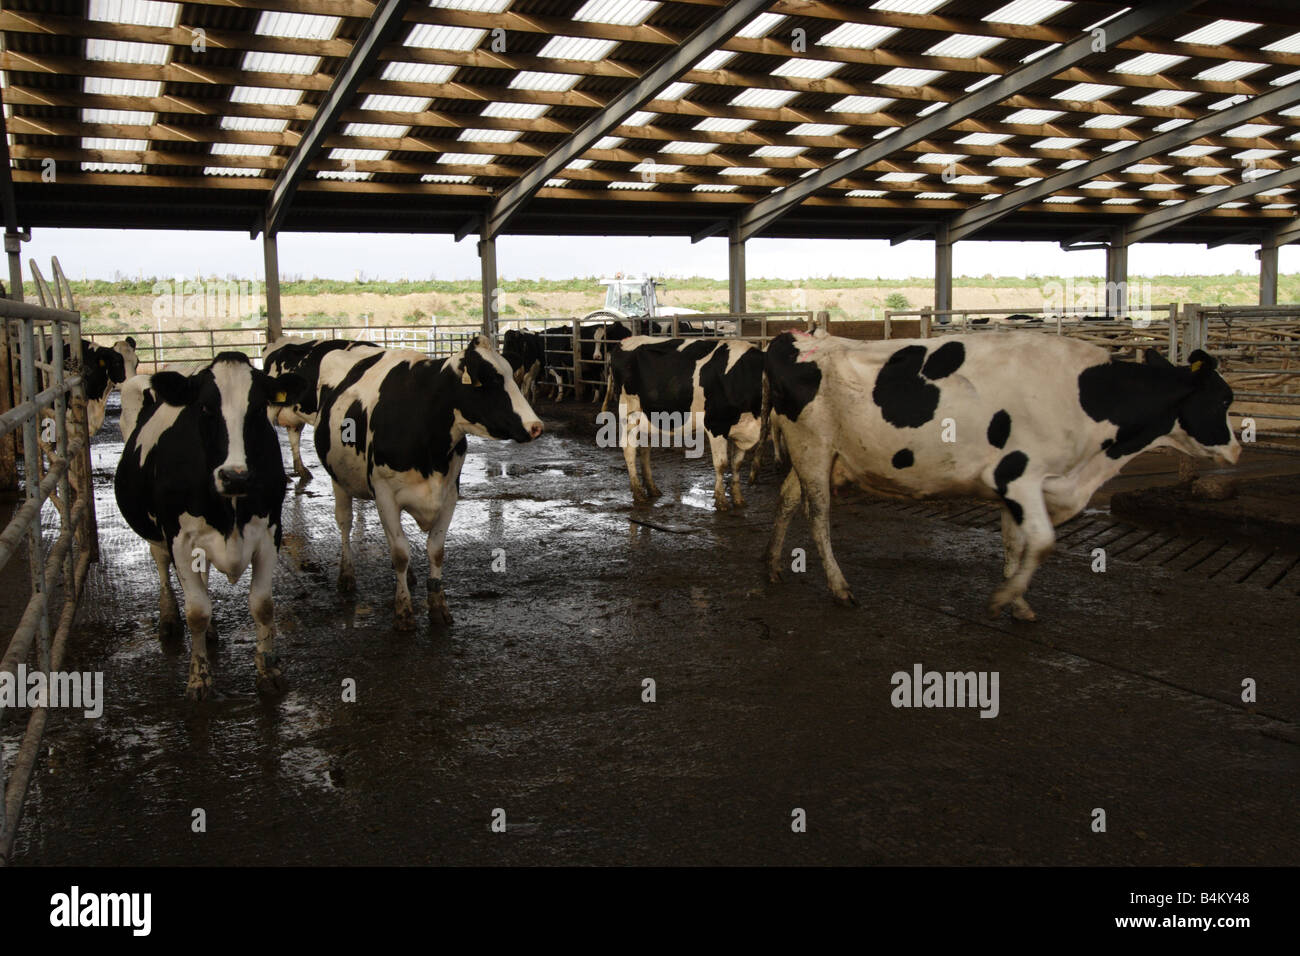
<point x="1038" y="422"/>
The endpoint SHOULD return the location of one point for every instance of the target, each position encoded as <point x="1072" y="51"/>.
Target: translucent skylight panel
<point x="1220" y="31"/>
<point x="784" y="152"/>
<point x="1164" y="98"/>
<point x="1120" y="201"/>
<point x="934" y="195"/>
<point x="300" y="26"/>
<point x="403" y="71"/>
<point x="241" y="149"/>
<point x="1250" y="129"/>
<point x="555" y="183"/>
<point x="1289" y="44"/>
<point x="1248" y="154"/>
<point x="114" y="86"/>
<point x="254" y="124"/>
<point x="1101" y="184"/>
<point x="578" y="164"/>
<point x="1207" y="170"/>
<point x="489" y="135"/>
<point x="376" y="130"/>
<point x="1070" y="164"/>
<point x="1147" y="169"/>
<point x="1159" y="188"/>
<point x="932" y="108"/>
<point x="760" y="26"/>
<point x="626" y="13"/>
<point x="514" y="110"/>
<point x="817" y="129"/>
<point x="551" y="82"/>
<point x="126" y="51"/>
<point x="631" y="185"/>
<point x="1148" y="64"/>
<point x="447" y="178"/>
<point x="121" y="145"/>
<point x="757" y="96"/>
<point x="1227" y="72"/>
<point x="1086" y="92"/>
<point x="118" y="117"/>
<point x="908" y="77"/>
<point x="900" y="177"/>
<point x="434" y="37"/>
<point x="744" y="170"/>
<point x="145" y="13"/>
<point x="265" y="96"/>
<point x="609" y="142"/>
<point x="1026" y="12"/>
<point x="646" y="166"/>
<point x="715" y="60"/>
<point x="1109" y="121"/>
<point x="470" y="159"/>
<point x="812" y="69"/>
<point x="680" y="146"/>
<point x="243" y="171"/>
<point x="298" y="63"/>
<point x="1013" y="161"/>
<point x="866" y="193"/>
<point x="112" y="168"/>
<point x="715" y="188"/>
<point x="1034" y="117"/>
<point x="675" y="91"/>
<point x="963" y="45"/>
<point x="1195" y="150"/>
<point x="940" y="159"/>
<point x="860" y="36"/>
<point x="1170" y="124"/>
<point x="473" y="6"/>
<point x="639" y="118"/>
<point x="577" y="48"/>
<point x="1063" y="199"/>
<point x="969" y="180"/>
<point x="981" y="139"/>
<point x="1057" y="142"/>
<point x="344" y="175"/>
<point x="908" y="6"/>
<point x="393" y="103"/>
<point x="861" y="104"/>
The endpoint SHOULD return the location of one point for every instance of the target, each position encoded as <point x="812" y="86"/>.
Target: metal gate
<point x="53" y="424"/>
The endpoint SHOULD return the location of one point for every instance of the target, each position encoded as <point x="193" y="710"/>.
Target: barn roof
<point x="1025" y="119"/>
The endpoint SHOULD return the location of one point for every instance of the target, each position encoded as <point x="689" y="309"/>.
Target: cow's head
<point x="229" y="400"/>
<point x="130" y="362"/>
<point x="1203" y="426"/>
<point x="101" y="369"/>
<point x="488" y="402"/>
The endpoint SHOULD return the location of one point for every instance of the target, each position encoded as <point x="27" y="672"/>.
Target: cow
<point x="130" y="360"/>
<point x="666" y="387"/>
<point x="525" y="353"/>
<point x="201" y="480"/>
<point x="101" y="369"/>
<point x="1037" y="422"/>
<point x="302" y="357"/>
<point x="393" y="427"/>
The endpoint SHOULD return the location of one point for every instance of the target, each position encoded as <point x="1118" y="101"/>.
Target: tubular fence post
<point x="157" y="354"/>
<point x="32" y="482"/>
<point x="65" y="503"/>
<point x="577" y="356"/>
<point x="889" y="321"/>
<point x="1173" y="333"/>
<point x="925" y="322"/>
<point x="82" y="466"/>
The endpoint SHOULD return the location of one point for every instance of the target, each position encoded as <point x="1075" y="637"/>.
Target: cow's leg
<point x="343" y="515"/>
<point x="439" y="614"/>
<point x="737" y="466"/>
<point x="530" y="381"/>
<point x="791" y="493"/>
<point x="211" y="635"/>
<point x="651" y="488"/>
<point x="817" y="495"/>
<point x="1013" y="544"/>
<point x="718" y="450"/>
<point x="270" y="680"/>
<point x="198" y="612"/>
<point x="295" y="440"/>
<point x="1038" y="538"/>
<point x="636" y="450"/>
<point x="390" y="516"/>
<point x="170" y="630"/>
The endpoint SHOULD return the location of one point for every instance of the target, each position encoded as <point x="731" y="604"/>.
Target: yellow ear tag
<point x="1196" y="366"/>
<point x="101" y="363"/>
<point x="280" y="397"/>
<point x="466" y="378"/>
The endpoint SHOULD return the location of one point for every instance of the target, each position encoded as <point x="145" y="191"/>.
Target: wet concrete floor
<point x="1125" y="696"/>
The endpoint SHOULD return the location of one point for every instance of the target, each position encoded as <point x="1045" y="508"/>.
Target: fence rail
<point x="38" y="331"/>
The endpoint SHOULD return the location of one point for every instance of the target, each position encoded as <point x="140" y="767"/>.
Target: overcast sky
<point x="99" y="253"/>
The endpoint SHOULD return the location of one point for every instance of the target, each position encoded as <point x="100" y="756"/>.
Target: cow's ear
<point x="130" y="341"/>
<point x="1202" y="363"/>
<point x="286" y="389"/>
<point x="173" y="388"/>
<point x="1153" y="358"/>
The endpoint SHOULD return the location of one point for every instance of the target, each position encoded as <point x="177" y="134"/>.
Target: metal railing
<point x="59" y="411"/>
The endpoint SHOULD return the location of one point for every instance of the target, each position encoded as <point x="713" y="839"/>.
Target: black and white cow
<point x="302" y="357"/>
<point x="1037" y="421"/>
<point x="527" y="357"/>
<point x="130" y="360"/>
<point x="393" y="427"/>
<point x="666" y="386"/>
<point x="201" y="480"/>
<point x="101" y="369"/>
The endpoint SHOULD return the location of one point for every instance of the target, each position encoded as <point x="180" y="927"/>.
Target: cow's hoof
<point x="347" y="580"/>
<point x="303" y="473"/>
<point x="200" y="689"/>
<point x="844" y="598"/>
<point x="738" y="502"/>
<point x="404" y="620"/>
<point x="655" y="492"/>
<point x="720" y="504"/>
<point x="210" y="635"/>
<point x="272" y="682"/>
<point x="1021" y="610"/>
<point x="439" y="615"/>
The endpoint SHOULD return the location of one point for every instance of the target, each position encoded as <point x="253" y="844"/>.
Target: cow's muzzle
<point x="232" y="482"/>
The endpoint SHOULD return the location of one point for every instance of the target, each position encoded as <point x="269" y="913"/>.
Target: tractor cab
<point x="630" y="297"/>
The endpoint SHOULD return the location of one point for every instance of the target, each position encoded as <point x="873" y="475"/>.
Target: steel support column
<point x="942" y="272"/>
<point x="737" y="298"/>
<point x="271" y="261"/>
<point x="487" y="253"/>
<point x="1267" y="255"/>
<point x="1117" y="275"/>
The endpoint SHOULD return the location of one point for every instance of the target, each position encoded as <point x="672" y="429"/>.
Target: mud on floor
<point x="1126" y="696"/>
